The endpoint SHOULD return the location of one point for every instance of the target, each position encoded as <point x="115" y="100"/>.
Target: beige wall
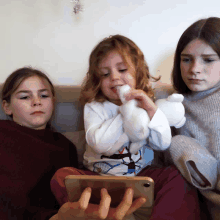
<point x="47" y="35"/>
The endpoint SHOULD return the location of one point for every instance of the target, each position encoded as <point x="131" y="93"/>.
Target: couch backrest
<point x="68" y="115"/>
<point x="69" y="111"/>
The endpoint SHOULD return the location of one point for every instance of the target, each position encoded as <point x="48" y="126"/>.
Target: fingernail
<point x="143" y="200"/>
<point x="89" y="189"/>
<point x="104" y="190"/>
<point x="131" y="190"/>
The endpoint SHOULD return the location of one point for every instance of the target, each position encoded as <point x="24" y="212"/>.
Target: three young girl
<point x="31" y="153"/>
<point x="117" y="61"/>
<point x="194" y="151"/>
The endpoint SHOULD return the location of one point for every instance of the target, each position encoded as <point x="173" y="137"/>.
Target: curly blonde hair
<point x="129" y="52"/>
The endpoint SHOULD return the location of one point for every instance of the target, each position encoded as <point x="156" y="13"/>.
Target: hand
<point x="143" y="101"/>
<point x="84" y="210"/>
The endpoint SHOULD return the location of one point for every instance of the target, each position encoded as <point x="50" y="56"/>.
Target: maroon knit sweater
<point x="28" y="160"/>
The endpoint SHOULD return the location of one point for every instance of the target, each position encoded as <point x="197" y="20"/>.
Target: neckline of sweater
<point x="194" y="96"/>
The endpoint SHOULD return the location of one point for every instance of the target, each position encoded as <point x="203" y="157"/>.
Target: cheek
<point x="49" y="105"/>
<point x="104" y="84"/>
<point x="22" y="107"/>
<point x="19" y="111"/>
<point x="213" y="73"/>
<point x="130" y="79"/>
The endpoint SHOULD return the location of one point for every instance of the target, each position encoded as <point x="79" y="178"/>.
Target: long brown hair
<point x="129" y="52"/>
<point x="207" y="30"/>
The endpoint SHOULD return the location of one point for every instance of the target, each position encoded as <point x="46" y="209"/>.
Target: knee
<point x="61" y="174"/>
<point x="57" y="183"/>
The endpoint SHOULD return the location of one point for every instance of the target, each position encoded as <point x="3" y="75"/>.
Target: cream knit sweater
<point x="195" y="150"/>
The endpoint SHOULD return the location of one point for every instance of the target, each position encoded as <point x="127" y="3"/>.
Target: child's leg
<point x="57" y="182"/>
<point x="174" y="197"/>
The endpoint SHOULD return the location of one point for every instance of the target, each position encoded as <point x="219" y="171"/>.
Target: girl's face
<point x="200" y="66"/>
<point x="31" y="104"/>
<point x="115" y="73"/>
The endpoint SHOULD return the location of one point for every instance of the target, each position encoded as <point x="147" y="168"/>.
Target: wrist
<point x="151" y="112"/>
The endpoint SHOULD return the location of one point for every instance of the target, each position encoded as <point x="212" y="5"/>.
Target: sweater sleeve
<point x="160" y="132"/>
<point x="195" y="163"/>
<point x="70" y="149"/>
<point x="105" y="135"/>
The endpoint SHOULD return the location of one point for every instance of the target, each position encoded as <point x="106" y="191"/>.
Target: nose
<point x="196" y="67"/>
<point x="36" y="101"/>
<point x="115" y="75"/>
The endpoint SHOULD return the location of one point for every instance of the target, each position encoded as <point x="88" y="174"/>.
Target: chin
<point x="38" y="125"/>
<point x="195" y="88"/>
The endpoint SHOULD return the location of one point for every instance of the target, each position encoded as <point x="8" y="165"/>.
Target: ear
<point x="6" y="107"/>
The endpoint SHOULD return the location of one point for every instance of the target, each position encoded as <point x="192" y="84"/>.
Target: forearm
<point x="102" y="137"/>
<point x="195" y="163"/>
<point x="160" y="132"/>
<point x="103" y="126"/>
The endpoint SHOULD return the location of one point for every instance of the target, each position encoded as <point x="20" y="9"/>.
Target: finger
<point x="133" y="94"/>
<point x="140" y="96"/>
<point x="84" y="198"/>
<point x="127" y="96"/>
<point x="104" y="204"/>
<point x="125" y="204"/>
<point x="136" y="205"/>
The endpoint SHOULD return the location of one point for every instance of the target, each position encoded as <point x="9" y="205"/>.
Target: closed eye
<point x="208" y="60"/>
<point x="186" y="59"/>
<point x="44" y="96"/>
<point x="105" y="75"/>
<point x="122" y="70"/>
<point x="24" y="97"/>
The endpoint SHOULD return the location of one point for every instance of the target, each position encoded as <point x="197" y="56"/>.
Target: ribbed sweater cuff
<point x="185" y="150"/>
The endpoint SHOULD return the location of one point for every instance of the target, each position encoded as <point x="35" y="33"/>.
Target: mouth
<point x="195" y="80"/>
<point x="114" y="88"/>
<point x="37" y="113"/>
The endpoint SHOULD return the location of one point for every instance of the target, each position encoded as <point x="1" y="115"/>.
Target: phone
<point x="116" y="186"/>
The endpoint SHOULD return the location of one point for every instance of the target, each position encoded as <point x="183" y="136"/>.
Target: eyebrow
<point x="28" y="91"/>
<point x="117" y="64"/>
<point x="185" y="54"/>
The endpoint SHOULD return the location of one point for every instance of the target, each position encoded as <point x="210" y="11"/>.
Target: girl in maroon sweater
<point x="30" y="154"/>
